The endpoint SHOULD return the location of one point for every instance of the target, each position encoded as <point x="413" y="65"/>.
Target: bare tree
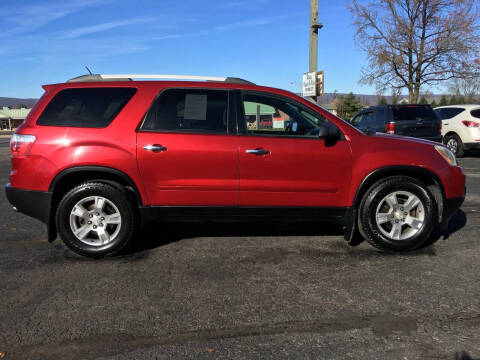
<point x="468" y="86"/>
<point x="412" y="43"/>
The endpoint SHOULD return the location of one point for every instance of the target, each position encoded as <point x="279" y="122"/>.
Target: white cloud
<point x="31" y="17"/>
<point x="235" y="25"/>
<point x="75" y="33"/>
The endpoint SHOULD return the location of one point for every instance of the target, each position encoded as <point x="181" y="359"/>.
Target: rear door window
<point x="189" y="110"/>
<point x="448" y="113"/>
<point x="412" y="112"/>
<point x="85" y="107"/>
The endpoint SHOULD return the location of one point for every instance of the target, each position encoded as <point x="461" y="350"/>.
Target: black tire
<point x="376" y="194"/>
<point x="455" y="139"/>
<point x="116" y="196"/>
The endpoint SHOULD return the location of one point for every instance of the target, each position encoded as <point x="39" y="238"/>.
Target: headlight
<point x="446" y="154"/>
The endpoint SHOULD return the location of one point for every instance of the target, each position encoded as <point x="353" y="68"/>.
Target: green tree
<point x="348" y="106"/>
<point x="434" y="104"/>
<point x="461" y="100"/>
<point x="382" y="101"/>
<point x="453" y="100"/>
<point x="443" y="101"/>
<point x="423" y="100"/>
<point x="394" y="98"/>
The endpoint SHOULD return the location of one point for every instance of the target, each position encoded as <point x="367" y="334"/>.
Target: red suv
<point x="101" y="155"/>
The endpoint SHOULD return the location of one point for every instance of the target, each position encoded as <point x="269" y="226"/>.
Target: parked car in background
<point x="101" y="155"/>
<point x="461" y="127"/>
<point x="418" y="121"/>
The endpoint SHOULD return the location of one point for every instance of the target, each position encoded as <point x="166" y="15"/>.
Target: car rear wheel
<point x="96" y="219"/>
<point x="398" y="214"/>
<point x="455" y="144"/>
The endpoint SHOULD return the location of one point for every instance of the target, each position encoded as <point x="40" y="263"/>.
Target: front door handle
<point x="258" y="152"/>
<point x="155" y="148"/>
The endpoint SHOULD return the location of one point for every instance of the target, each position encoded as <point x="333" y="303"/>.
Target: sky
<point x="264" y="41"/>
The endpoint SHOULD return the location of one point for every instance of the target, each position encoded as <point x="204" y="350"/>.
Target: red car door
<point x="290" y="165"/>
<point x="184" y="152"/>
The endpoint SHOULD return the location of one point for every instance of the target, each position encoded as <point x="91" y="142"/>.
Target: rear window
<point x="90" y="107"/>
<point x="413" y="113"/>
<point x="475" y="113"/>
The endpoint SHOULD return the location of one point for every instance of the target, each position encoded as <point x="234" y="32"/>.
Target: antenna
<point x="86" y="67"/>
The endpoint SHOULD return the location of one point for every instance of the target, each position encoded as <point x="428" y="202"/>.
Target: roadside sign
<point x="309" y="84"/>
<point x="313" y="83"/>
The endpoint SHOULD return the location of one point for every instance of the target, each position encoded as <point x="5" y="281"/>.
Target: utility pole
<point x="314" y="27"/>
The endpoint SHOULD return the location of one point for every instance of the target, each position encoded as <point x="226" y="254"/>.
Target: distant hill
<point x="370" y="100"/>
<point x="6" y="101"/>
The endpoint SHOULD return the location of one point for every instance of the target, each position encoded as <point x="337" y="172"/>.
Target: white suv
<point x="460" y="127"/>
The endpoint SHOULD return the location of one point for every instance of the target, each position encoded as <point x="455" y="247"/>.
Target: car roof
<point x="157" y="77"/>
<point x="464" y="106"/>
<point x="370" y="108"/>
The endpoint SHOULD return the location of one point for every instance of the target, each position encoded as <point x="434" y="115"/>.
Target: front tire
<point x="398" y="214"/>
<point x="96" y="219"/>
<point x="455" y="144"/>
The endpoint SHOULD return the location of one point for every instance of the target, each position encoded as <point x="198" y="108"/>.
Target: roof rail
<point x="123" y="77"/>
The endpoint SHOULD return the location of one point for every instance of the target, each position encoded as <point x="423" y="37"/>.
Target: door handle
<point x="258" y="152"/>
<point x="155" y="148"/>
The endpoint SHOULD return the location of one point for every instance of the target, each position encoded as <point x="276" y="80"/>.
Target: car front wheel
<point x="96" y="219"/>
<point x="455" y="144"/>
<point x="398" y="214"/>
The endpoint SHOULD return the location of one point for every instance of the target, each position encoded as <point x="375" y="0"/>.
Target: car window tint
<point x="413" y="112"/>
<point x="189" y="110"/>
<point x="86" y="107"/>
<point x="357" y="120"/>
<point x="380" y="118"/>
<point x="265" y="115"/>
<point x="368" y="120"/>
<point x="448" y="113"/>
<point x="475" y="113"/>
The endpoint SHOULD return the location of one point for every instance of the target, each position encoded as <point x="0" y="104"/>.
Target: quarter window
<point x="475" y="113"/>
<point x="189" y="110"/>
<point x="87" y="107"/>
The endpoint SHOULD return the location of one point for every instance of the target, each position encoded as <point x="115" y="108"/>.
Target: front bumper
<point x="450" y="207"/>
<point x="32" y="203"/>
<point x="438" y="139"/>
<point x="471" y="146"/>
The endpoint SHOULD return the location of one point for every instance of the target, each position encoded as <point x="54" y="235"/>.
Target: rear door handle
<point x="258" y="152"/>
<point x="155" y="148"/>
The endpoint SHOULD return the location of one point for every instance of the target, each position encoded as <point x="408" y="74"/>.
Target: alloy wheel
<point x="400" y="215"/>
<point x="95" y="221"/>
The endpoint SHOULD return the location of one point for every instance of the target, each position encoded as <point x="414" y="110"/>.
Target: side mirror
<point x="331" y="134"/>
<point x="323" y="131"/>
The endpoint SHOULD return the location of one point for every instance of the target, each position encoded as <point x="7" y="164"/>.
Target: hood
<point x="405" y="139"/>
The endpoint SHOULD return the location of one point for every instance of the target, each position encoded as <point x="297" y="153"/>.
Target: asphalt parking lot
<point x="240" y="291"/>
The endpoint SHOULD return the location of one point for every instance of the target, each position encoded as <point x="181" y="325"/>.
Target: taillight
<point x="21" y="144"/>
<point x="470" y="124"/>
<point x="390" y="128"/>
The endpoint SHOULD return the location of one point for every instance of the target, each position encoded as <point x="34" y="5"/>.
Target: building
<point x="12" y="118"/>
<point x="330" y="107"/>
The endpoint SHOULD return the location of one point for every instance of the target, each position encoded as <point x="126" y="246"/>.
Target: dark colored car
<point x="418" y="121"/>
<point x="97" y="157"/>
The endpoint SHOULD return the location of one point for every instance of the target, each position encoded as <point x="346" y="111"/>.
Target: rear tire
<point x="455" y="144"/>
<point x="398" y="214"/>
<point x="96" y="219"/>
